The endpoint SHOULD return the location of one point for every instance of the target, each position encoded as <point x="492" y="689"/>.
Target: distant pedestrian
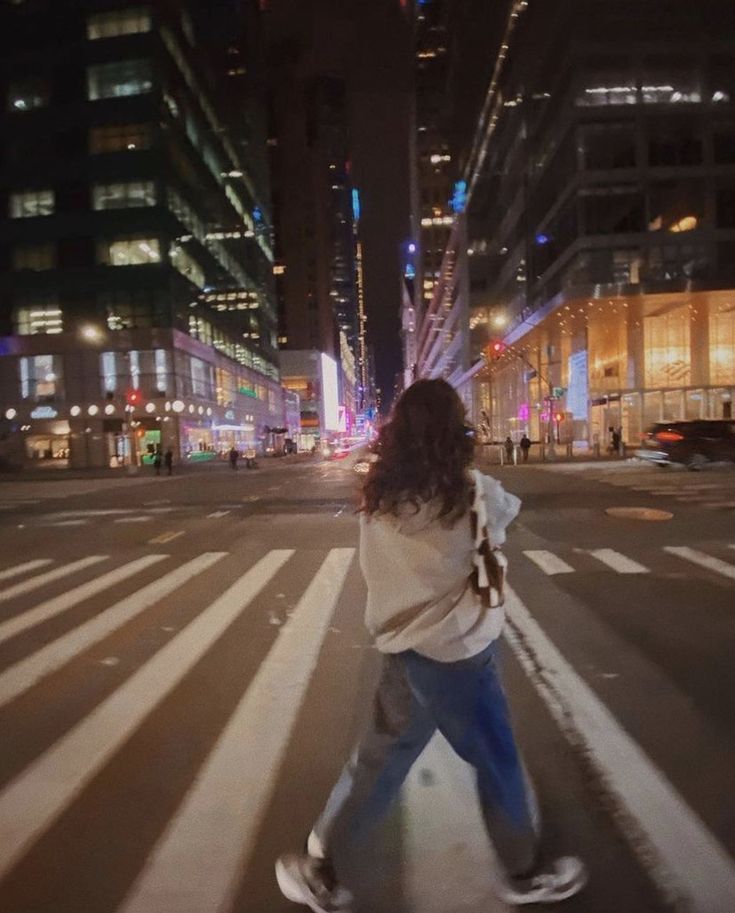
<point x="157" y="461"/>
<point x="234" y="455"/>
<point x="509" y="448"/>
<point x="168" y="459"/>
<point x="615" y="440"/>
<point x="438" y="633"/>
<point x="525" y="444"/>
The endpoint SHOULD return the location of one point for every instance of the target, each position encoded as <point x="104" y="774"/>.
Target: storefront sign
<point x="44" y="412"/>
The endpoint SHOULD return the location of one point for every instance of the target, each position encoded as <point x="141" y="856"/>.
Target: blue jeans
<point x="465" y="701"/>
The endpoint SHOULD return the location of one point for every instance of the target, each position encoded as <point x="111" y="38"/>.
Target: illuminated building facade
<point x="136" y="282"/>
<point x="602" y="228"/>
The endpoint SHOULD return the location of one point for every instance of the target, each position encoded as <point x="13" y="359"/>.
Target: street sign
<point x="558" y="392"/>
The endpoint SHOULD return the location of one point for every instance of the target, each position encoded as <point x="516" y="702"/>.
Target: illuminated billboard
<point x="330" y="393"/>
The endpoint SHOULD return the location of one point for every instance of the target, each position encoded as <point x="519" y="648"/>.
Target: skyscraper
<point x="137" y="303"/>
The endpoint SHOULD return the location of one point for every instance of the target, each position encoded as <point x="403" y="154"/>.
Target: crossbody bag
<point x="489" y="563"/>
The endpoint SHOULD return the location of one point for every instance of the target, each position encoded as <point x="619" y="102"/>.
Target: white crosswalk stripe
<point x="548" y="562"/>
<point x="22" y="675"/>
<point x="19" y="569"/>
<point x="618" y="562"/>
<point x="27" y="586"/>
<point x="73" y="597"/>
<point x="37" y="796"/>
<point x="703" y="560"/>
<point x="224" y="810"/>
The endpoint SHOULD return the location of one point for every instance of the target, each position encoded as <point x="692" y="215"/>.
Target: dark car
<point x="691" y="443"/>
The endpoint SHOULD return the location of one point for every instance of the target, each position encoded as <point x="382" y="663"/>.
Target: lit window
<point x="31" y="203"/>
<point x="27" y="95"/>
<point x="124" y="196"/>
<point x="130" y="251"/>
<point x="111" y="80"/>
<point x="41" y="377"/>
<point x="34" y="319"/>
<point x="278" y="269"/>
<point x="118" y="22"/>
<point x="128" y="137"/>
<point x="35" y="257"/>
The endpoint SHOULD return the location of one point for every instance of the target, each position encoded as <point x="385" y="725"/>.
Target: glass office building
<point x="136" y="275"/>
<point x="602" y="227"/>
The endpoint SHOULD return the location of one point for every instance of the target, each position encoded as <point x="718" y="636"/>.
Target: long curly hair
<point x="423" y="452"/>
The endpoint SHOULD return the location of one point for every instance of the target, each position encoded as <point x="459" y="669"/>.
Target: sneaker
<point x="311" y="882"/>
<point x="567" y="877"/>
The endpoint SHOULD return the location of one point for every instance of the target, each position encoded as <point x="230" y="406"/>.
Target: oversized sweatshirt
<point x="417" y="572"/>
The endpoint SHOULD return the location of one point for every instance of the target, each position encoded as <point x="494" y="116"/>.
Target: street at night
<point x="184" y="669"/>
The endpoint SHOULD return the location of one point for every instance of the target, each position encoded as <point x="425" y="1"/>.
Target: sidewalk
<point x="494" y="455"/>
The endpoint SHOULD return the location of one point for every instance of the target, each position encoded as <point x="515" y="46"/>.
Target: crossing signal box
<point x="133" y="397"/>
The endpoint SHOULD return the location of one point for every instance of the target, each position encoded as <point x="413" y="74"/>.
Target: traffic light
<point x="559" y="417"/>
<point x="495" y="349"/>
<point x="133" y="397"/>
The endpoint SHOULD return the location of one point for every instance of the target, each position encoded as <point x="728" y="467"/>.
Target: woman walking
<point x="437" y="627"/>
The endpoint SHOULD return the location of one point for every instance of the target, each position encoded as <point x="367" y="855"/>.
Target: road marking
<point x="548" y="562"/>
<point x="441" y="818"/>
<point x="42" y="579"/>
<point x="26" y="672"/>
<point x="685" y="859"/>
<point x="166" y="537"/>
<point x="618" y="562"/>
<point x="36" y="798"/>
<point x="218" y="514"/>
<point x="712" y="564"/>
<point x="70" y="523"/>
<point x="157" y="501"/>
<point x="251" y="498"/>
<point x="132" y="520"/>
<point x="225" y="808"/>
<point x="72" y="597"/>
<point x="19" y="569"/>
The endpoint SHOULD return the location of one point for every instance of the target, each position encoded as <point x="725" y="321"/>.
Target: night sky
<point x="369" y="41"/>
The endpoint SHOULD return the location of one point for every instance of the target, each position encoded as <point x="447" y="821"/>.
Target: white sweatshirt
<point x="417" y="573"/>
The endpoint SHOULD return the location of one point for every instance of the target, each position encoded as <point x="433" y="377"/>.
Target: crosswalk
<point x="222" y="808"/>
<point x="553" y="564"/>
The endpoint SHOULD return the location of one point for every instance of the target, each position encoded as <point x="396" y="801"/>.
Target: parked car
<point x="691" y="443"/>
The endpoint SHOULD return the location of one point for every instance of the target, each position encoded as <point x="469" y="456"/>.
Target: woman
<point x="439" y="643"/>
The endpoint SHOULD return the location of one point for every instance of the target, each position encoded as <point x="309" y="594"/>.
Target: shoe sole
<point x="293" y="891"/>
<point x="519" y="900"/>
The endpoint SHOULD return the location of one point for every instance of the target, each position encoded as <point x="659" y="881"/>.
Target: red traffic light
<point x="496" y="348"/>
<point x="559" y="416"/>
<point x="133" y="397"/>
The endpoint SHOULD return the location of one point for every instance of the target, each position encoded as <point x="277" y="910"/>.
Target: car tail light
<point x="668" y="437"/>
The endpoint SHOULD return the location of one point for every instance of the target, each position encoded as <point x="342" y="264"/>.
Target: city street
<point x="183" y="671"/>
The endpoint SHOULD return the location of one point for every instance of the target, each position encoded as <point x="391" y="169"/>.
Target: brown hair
<point x="424" y="452"/>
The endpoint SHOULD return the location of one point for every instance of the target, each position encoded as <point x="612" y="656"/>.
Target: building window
<point x="111" y="80"/>
<point x="124" y="196"/>
<point x="119" y="22"/>
<point x="607" y="82"/>
<point x="187" y="265"/>
<point x="36" y="257"/>
<point x="722" y="345"/>
<point x="27" y="95"/>
<point x="667" y="348"/>
<point x="34" y="319"/>
<point x="723" y="142"/>
<point x="607" y="146"/>
<point x="674" y="142"/>
<point x="670" y="80"/>
<point x="41" y="378"/>
<point x="129" y="251"/>
<point x="613" y="210"/>
<point x="125" y="138"/>
<point x="31" y="203"/>
<point x="129" y="310"/>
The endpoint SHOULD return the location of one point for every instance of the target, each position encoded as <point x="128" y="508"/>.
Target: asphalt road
<point x="183" y="670"/>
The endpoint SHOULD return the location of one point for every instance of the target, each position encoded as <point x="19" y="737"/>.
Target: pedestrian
<point x="509" y="448"/>
<point x="525" y="444"/>
<point x="168" y="459"/>
<point x="439" y="640"/>
<point x="615" y="439"/>
<point x="233" y="456"/>
<point x="157" y="460"/>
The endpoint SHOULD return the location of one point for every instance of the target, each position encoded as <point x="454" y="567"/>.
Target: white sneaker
<point x="567" y="877"/>
<point x="309" y="881"/>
